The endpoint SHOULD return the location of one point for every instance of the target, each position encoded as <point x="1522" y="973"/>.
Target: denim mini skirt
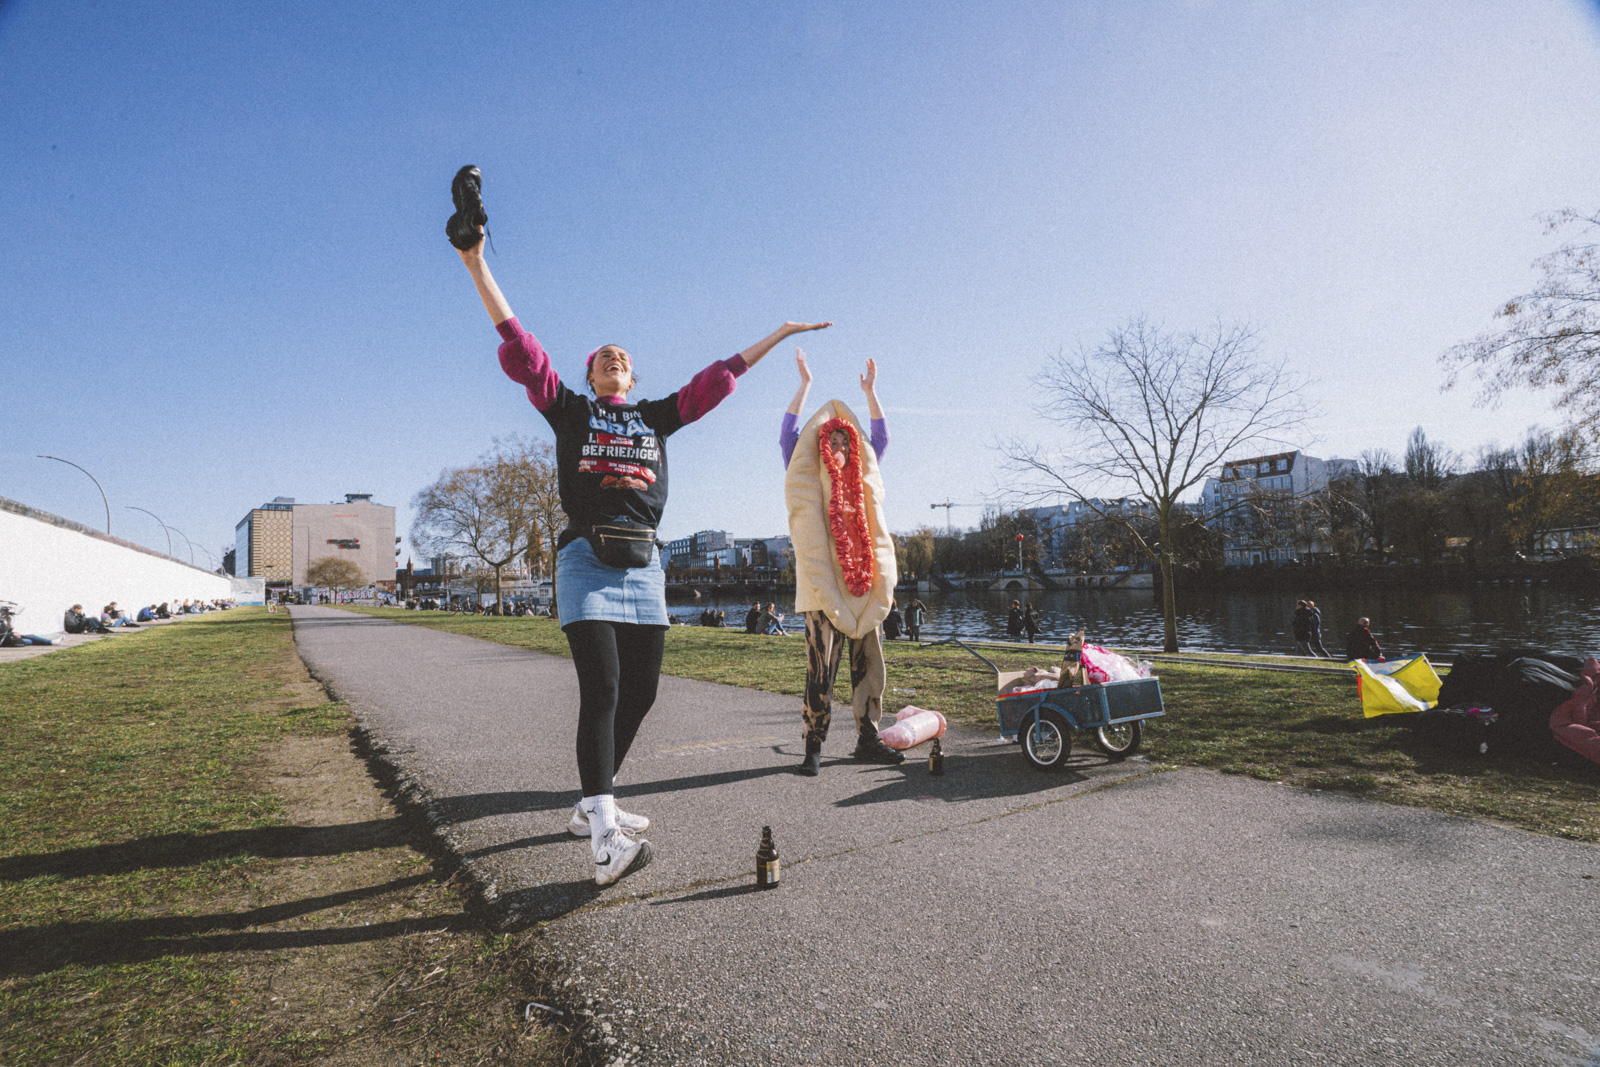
<point x="587" y="589"/>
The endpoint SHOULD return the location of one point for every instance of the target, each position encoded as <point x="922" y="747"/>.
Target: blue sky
<point x="224" y="276"/>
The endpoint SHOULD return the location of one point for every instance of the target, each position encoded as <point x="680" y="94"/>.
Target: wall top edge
<point x="16" y="508"/>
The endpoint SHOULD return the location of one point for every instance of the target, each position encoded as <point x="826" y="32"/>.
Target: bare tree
<point x="335" y="573"/>
<point x="1550" y="337"/>
<point x="1154" y="413"/>
<point x="489" y="511"/>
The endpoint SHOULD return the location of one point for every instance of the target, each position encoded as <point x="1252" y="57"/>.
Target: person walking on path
<point x="1308" y="630"/>
<point x="1300" y="626"/>
<point x="868" y="675"/>
<point x="1030" y="622"/>
<point x="916" y="611"/>
<point x="1359" y="642"/>
<point x="1315" y="631"/>
<point x="611" y="464"/>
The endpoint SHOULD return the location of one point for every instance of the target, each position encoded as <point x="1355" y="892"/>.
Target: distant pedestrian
<point x="1360" y="644"/>
<point x="915" y="613"/>
<point x="1300" y="626"/>
<point x="1314" y="630"/>
<point x="1014" y="620"/>
<point x="1030" y="622"/>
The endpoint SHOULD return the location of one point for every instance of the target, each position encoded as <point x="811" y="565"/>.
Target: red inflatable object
<point x="1576" y="723"/>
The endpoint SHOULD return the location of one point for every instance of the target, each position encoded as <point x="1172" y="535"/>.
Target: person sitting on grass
<point x="772" y="621"/>
<point x="1360" y="644"/>
<point x="111" y="615"/>
<point x="752" y="619"/>
<point x="76" y="622"/>
<point x="147" y="614"/>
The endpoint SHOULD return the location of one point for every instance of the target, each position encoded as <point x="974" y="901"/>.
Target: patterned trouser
<point x="867" y="676"/>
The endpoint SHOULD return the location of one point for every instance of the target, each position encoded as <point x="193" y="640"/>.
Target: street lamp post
<point x="1019" y="553"/>
<point x="189" y="543"/>
<point x="97" y="485"/>
<point x="156" y="517"/>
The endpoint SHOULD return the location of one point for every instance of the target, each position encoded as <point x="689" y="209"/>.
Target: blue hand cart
<point x="1042" y="721"/>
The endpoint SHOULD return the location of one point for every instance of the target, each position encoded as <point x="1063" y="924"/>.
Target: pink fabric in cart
<point x="1576" y="723"/>
<point x="912" y="726"/>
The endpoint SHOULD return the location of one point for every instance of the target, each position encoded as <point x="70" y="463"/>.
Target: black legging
<point x="619" y="665"/>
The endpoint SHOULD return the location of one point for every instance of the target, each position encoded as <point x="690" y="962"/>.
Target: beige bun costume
<point x="820" y="584"/>
<point x="835" y="613"/>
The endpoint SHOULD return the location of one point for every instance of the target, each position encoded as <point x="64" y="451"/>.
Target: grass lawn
<point x="1301" y="729"/>
<point x="195" y="869"/>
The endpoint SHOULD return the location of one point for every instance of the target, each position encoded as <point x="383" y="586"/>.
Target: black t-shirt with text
<point x="611" y="459"/>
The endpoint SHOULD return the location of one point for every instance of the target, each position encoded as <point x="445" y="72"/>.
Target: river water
<point x="1405" y="620"/>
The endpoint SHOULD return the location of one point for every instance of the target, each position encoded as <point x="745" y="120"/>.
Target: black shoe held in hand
<point x="467" y="192"/>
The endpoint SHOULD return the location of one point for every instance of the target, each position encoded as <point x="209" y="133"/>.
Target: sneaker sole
<point x="641" y="860"/>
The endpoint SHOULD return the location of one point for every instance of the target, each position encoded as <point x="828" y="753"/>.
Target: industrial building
<point x="279" y="540"/>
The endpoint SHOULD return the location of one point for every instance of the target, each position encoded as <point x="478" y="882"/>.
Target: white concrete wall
<point x="48" y="564"/>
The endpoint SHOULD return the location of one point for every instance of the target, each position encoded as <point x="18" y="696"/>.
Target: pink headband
<point x="588" y="364"/>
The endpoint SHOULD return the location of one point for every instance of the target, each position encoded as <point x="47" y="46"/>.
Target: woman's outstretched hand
<point x="792" y="328"/>
<point x="800" y="364"/>
<point x="870" y="379"/>
<point x="473" y="255"/>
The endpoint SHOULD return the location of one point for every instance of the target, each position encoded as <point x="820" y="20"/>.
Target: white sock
<point x="602" y="813"/>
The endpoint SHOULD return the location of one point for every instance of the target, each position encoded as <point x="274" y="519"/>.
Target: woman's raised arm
<point x="494" y="301"/>
<point x="753" y="354"/>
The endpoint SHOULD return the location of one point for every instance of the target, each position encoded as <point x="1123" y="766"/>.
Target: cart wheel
<point x="1120" y="740"/>
<point x="1046" y="740"/>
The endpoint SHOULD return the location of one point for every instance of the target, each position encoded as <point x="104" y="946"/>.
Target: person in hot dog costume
<point x="611" y="465"/>
<point x="843" y="560"/>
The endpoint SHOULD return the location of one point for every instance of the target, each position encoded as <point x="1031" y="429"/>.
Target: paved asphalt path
<point x="1107" y="915"/>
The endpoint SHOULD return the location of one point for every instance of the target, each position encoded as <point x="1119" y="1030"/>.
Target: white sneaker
<point x="627" y="822"/>
<point x="617" y="855"/>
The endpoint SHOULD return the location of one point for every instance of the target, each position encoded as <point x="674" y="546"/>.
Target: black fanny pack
<point x="621" y="543"/>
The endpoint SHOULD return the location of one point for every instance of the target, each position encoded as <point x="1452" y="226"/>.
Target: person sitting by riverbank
<point x="146" y="614"/>
<point x="1360" y="644"/>
<point x="891" y="623"/>
<point x="772" y="621"/>
<point x="752" y="619"/>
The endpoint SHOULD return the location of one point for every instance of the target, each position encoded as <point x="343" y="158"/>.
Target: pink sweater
<point x="525" y="362"/>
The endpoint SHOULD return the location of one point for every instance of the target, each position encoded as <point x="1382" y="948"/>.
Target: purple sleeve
<point x="788" y="436"/>
<point x="525" y="362"/>
<point x="709" y="388"/>
<point x="880" y="437"/>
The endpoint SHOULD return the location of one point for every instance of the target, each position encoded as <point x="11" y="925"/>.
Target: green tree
<point x="335" y="573"/>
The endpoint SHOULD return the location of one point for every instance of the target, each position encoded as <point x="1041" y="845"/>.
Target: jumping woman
<point x="611" y="462"/>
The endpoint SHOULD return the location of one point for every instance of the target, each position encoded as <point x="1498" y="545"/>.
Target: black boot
<point x="467" y="192"/>
<point x="871" y="750"/>
<point x="811" y="766"/>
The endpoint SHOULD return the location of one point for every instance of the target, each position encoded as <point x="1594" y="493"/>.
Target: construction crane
<point x="947" y="505"/>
